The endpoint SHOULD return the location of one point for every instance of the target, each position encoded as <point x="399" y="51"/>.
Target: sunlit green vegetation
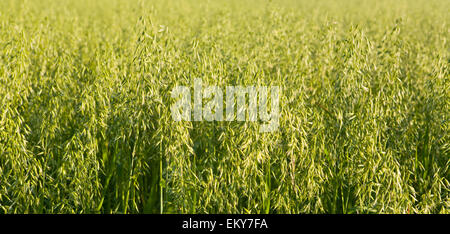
<point x="86" y="127"/>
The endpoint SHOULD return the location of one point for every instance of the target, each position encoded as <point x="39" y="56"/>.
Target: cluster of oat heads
<point x="86" y="123"/>
<point x="242" y="104"/>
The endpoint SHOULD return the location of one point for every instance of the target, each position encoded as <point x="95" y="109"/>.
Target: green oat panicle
<point x="86" y="127"/>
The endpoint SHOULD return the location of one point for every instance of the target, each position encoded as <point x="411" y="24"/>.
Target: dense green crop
<point x="86" y="127"/>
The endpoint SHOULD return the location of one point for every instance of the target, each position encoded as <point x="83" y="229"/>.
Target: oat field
<point x="85" y="97"/>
